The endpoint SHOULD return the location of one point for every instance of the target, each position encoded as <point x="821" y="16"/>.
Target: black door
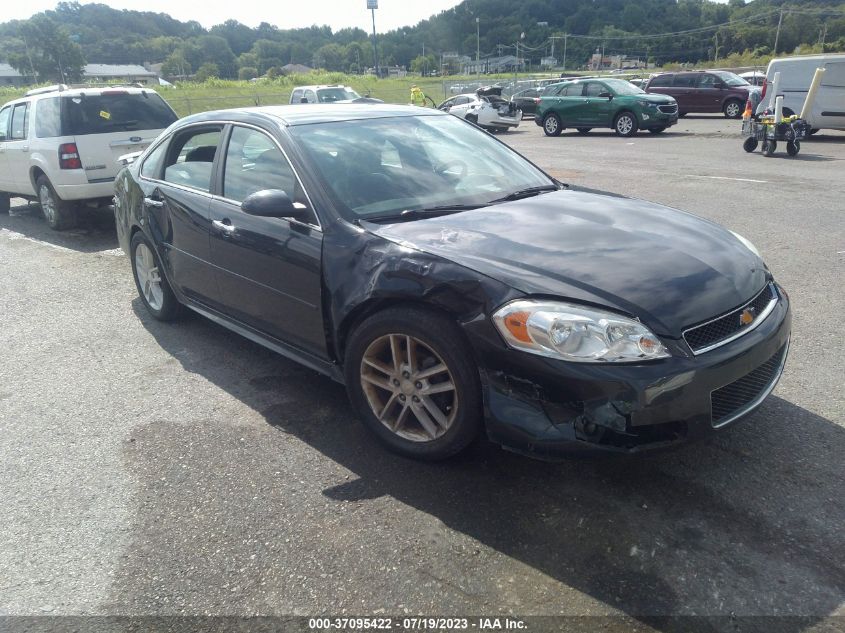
<point x="177" y="194"/>
<point x="268" y="269"/>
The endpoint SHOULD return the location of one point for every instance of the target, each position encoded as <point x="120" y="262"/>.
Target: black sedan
<point x="452" y="296"/>
<point x="526" y="100"/>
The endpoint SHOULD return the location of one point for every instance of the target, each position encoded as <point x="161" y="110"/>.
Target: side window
<point x="296" y="97"/>
<point x="686" y="81"/>
<point x="150" y="168"/>
<point x="191" y="157"/>
<point x="47" y="121"/>
<point x="311" y="96"/>
<point x="255" y="163"/>
<point x="4" y="122"/>
<point x="707" y="81"/>
<point x="447" y="104"/>
<point x="461" y="100"/>
<point x="572" y="90"/>
<point x="594" y="89"/>
<point x="20" y="118"/>
<point x="661" y="81"/>
<point x="834" y="75"/>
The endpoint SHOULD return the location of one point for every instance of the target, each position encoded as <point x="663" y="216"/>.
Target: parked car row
<point x="486" y="108"/>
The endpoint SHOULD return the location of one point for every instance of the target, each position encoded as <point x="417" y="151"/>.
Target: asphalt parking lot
<point x="178" y="469"/>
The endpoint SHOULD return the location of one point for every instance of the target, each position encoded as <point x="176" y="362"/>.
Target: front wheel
<point x="150" y="281"/>
<point x="793" y="147"/>
<point x="59" y="214"/>
<point x="750" y="144"/>
<point x="552" y="125"/>
<point x="733" y="109"/>
<point x="626" y="124"/>
<point x="412" y="379"/>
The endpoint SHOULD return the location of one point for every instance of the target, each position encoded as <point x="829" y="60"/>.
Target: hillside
<point x="97" y="33"/>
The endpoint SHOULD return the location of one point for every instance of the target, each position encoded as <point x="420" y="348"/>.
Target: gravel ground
<point x="182" y="470"/>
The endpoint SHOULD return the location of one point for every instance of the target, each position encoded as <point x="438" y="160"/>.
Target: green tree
<point x="330" y="57"/>
<point x="207" y="71"/>
<point x="49" y="51"/>
<point x="247" y="72"/>
<point x="176" y="66"/>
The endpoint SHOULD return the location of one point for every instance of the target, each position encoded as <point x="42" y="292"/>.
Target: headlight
<point x="747" y="244"/>
<point x="646" y="104"/>
<point x="575" y="333"/>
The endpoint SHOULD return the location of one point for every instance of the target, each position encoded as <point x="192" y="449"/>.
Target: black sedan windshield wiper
<point x="525" y="193"/>
<point x="427" y="212"/>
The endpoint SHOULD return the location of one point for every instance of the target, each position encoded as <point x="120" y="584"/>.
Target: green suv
<point x="614" y="103"/>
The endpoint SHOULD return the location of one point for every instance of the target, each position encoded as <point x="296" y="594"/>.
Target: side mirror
<point x="606" y="95"/>
<point x="274" y="203"/>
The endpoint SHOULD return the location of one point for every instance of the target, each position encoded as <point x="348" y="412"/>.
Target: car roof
<point x="320" y="87"/>
<point x="307" y="114"/>
<point x="68" y="91"/>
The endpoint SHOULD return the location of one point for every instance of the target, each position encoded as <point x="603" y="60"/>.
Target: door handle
<point x="153" y="203"/>
<point x="225" y="226"/>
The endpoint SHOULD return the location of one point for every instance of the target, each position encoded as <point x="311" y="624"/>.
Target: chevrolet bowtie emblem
<point x="747" y="316"/>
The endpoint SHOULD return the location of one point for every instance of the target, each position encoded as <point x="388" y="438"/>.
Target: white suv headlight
<point x="575" y="333"/>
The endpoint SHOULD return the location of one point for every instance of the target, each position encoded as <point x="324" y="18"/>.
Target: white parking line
<point x="14" y="235"/>
<point x="726" y="178"/>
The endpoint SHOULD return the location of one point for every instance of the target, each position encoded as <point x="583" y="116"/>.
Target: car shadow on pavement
<point x="748" y="523"/>
<point x="95" y="231"/>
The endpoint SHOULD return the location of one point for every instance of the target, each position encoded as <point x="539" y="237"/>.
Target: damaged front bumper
<point x="543" y="407"/>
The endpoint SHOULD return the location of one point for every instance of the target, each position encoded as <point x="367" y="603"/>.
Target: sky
<point x="285" y="14"/>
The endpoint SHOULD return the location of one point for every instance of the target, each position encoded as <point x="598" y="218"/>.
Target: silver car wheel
<point x="732" y="110"/>
<point x="149" y="277"/>
<point x="48" y="205"/>
<point x="408" y="387"/>
<point x="624" y="124"/>
<point x="550" y="124"/>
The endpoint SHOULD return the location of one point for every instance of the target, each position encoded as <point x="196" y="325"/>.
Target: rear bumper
<point x="88" y="191"/>
<point x="544" y="407"/>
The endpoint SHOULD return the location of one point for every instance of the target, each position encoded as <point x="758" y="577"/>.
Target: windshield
<point x="114" y="112"/>
<point x="731" y="79"/>
<point x="328" y="95"/>
<point x="378" y="167"/>
<point x="623" y="87"/>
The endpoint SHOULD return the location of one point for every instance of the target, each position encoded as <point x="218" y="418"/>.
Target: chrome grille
<point x="718" y="331"/>
<point x="731" y="401"/>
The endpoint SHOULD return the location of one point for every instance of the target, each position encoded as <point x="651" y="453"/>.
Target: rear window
<point x="114" y="112"/>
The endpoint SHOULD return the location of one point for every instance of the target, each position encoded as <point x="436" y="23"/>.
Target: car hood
<point x="668" y="268"/>
<point x="653" y="97"/>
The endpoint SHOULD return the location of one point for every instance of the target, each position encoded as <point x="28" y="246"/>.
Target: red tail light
<point x="765" y="87"/>
<point x="69" y="156"/>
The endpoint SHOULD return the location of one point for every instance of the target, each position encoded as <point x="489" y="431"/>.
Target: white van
<point x="796" y="75"/>
<point x="60" y="145"/>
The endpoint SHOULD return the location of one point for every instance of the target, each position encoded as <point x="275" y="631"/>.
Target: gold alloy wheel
<point x="408" y="387"/>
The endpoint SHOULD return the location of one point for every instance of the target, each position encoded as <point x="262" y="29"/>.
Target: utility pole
<point x="716" y="54"/>
<point x="565" y="35"/>
<point x="477" y="47"/>
<point x="824" y="35"/>
<point x="372" y="5"/>
<point x="777" y="35"/>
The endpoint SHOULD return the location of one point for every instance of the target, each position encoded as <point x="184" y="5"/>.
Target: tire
<point x="5" y="202"/>
<point x="472" y="119"/>
<point x="793" y="147"/>
<point x="552" y="125"/>
<point x="769" y="147"/>
<point x="625" y="124"/>
<point x="657" y="130"/>
<point x="385" y="389"/>
<point x="733" y="109"/>
<point x="812" y="131"/>
<point x="750" y="144"/>
<point x="584" y="130"/>
<point x="59" y="214"/>
<point x="152" y="285"/>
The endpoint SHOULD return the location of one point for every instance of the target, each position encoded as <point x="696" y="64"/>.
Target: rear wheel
<point x="733" y="109"/>
<point x="413" y="381"/>
<point x="625" y="124"/>
<point x="552" y="125"/>
<point x="5" y="202"/>
<point x="793" y="147"/>
<point x="750" y="144"/>
<point x="59" y="214"/>
<point x="150" y="281"/>
<point x="584" y="130"/>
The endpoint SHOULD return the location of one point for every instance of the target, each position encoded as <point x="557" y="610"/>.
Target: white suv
<point x="60" y="145"/>
<point x="329" y="94"/>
